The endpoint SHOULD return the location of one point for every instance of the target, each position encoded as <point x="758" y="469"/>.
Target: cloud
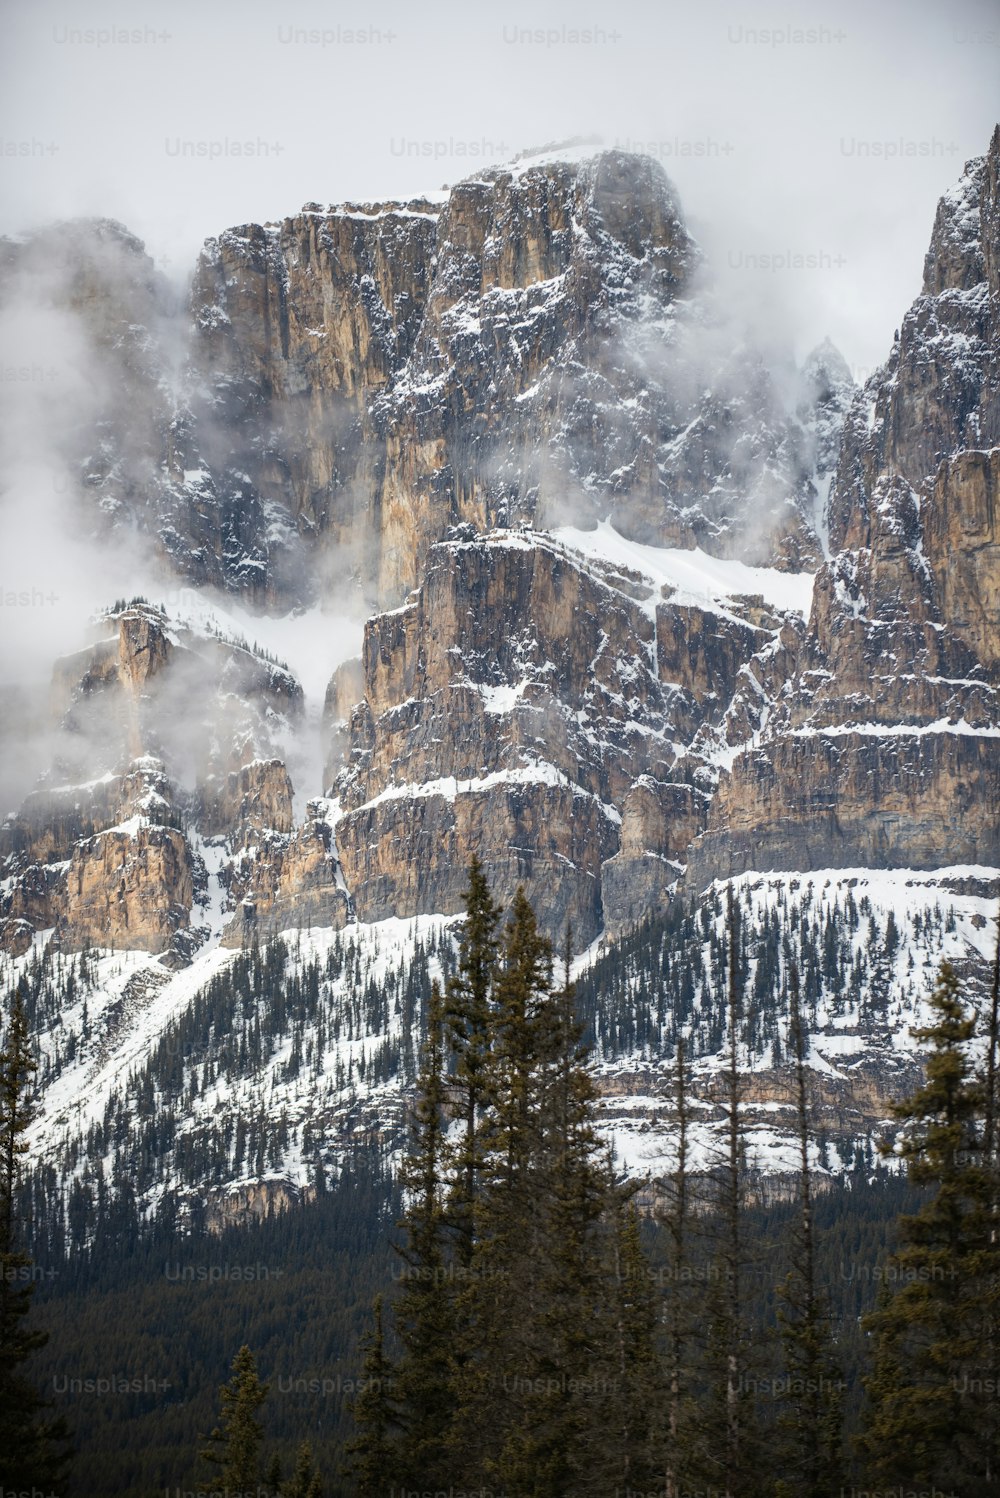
<point x="761" y="116"/>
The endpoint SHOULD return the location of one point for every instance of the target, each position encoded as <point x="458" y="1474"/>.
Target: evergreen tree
<point x="991" y="1082"/>
<point x="539" y="1313"/>
<point x="272" y="1483"/>
<point x="469" y="1021"/>
<point x="424" y="1310"/>
<point x="305" y="1480"/>
<point x="728" y="1455"/>
<point x="234" y="1448"/>
<point x="501" y="1300"/>
<point x="933" y="1404"/>
<point x="813" y="1417"/>
<point x="732" y="1200"/>
<point x="991" y="1163"/>
<point x="31" y="1446"/>
<point x="639" y="1373"/>
<point x="370" y="1453"/>
<point x="675" y="1219"/>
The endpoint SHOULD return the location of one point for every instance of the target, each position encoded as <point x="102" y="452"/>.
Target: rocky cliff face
<point x="508" y="708"/>
<point x="162" y="743"/>
<point x="361" y="383"/>
<point x="532" y="703"/>
<point x="647" y="613"/>
<point x="884" y="749"/>
<point x="394" y="386"/>
<point x="537" y="347"/>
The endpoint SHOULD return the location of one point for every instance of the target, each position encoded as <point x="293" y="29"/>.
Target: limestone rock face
<point x="296" y="327"/>
<point x="508" y="708"/>
<point x="702" y="652"/>
<point x="288" y="882"/>
<point x="525" y="705"/>
<point x="855" y="800"/>
<point x="104" y="850"/>
<point x="111" y="867"/>
<point x="127" y="887"/>
<point x="884" y="749"/>
<point x="962" y="543"/>
<point x="357" y="379"/>
<point x="257" y="795"/>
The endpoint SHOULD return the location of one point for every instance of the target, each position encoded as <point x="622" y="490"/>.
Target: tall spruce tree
<point x="639" y="1375"/>
<point x="500" y="1305"/>
<point x="234" y="1448"/>
<point x="727" y="1453"/>
<point x="370" y="1454"/>
<point x="305" y="1481"/>
<point x="675" y="1219"/>
<point x="424" y="1310"/>
<point x="469" y="1025"/>
<point x="933" y="1400"/>
<point x="732" y="1204"/>
<point x="592" y="1290"/>
<point x="991" y="1164"/>
<point x="32" y="1445"/>
<point x="812" y="1418"/>
<point x="541" y="1382"/>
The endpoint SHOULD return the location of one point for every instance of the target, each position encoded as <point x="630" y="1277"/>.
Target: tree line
<point x="530" y="1353"/>
<point x="558" y="1330"/>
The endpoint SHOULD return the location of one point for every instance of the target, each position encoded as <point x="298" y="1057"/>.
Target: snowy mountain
<point x="602" y="592"/>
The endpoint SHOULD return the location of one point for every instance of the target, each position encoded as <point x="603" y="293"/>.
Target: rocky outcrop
<point x="289" y="883"/>
<point x="101" y="852"/>
<point x="843" y="799"/>
<point x="529" y="348"/>
<point x="525" y="705"/>
<point x="105" y="864"/>
<point x="255" y="797"/>
<point x="241" y="1205"/>
<point x="962" y="544"/>
<point x="127" y="887"/>
<point x="297" y="326"/>
<point x="508" y="708"/>
<point x="659" y="820"/>
<point x="884" y="749"/>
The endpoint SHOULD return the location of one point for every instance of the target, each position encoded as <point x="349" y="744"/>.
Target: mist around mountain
<point x="481" y="527"/>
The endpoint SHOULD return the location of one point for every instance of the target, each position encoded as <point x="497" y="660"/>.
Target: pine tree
<point x="991" y="1164"/>
<point x="234" y="1448"/>
<point x="813" y="1417"/>
<point x="523" y="987"/>
<point x="469" y="1021"/>
<point x="540" y="1312"/>
<point x="991" y="1081"/>
<point x="370" y="1453"/>
<point x="731" y="1206"/>
<point x="424" y="1310"/>
<point x="31" y="1446"/>
<point x="728" y="1457"/>
<point x="272" y="1482"/>
<point x="500" y="1307"/>
<point x="675" y="1219"/>
<point x="639" y="1373"/>
<point x="932" y="1395"/>
<point x="305" y="1480"/>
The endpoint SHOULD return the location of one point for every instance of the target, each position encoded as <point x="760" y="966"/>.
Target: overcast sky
<point x="826" y="133"/>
